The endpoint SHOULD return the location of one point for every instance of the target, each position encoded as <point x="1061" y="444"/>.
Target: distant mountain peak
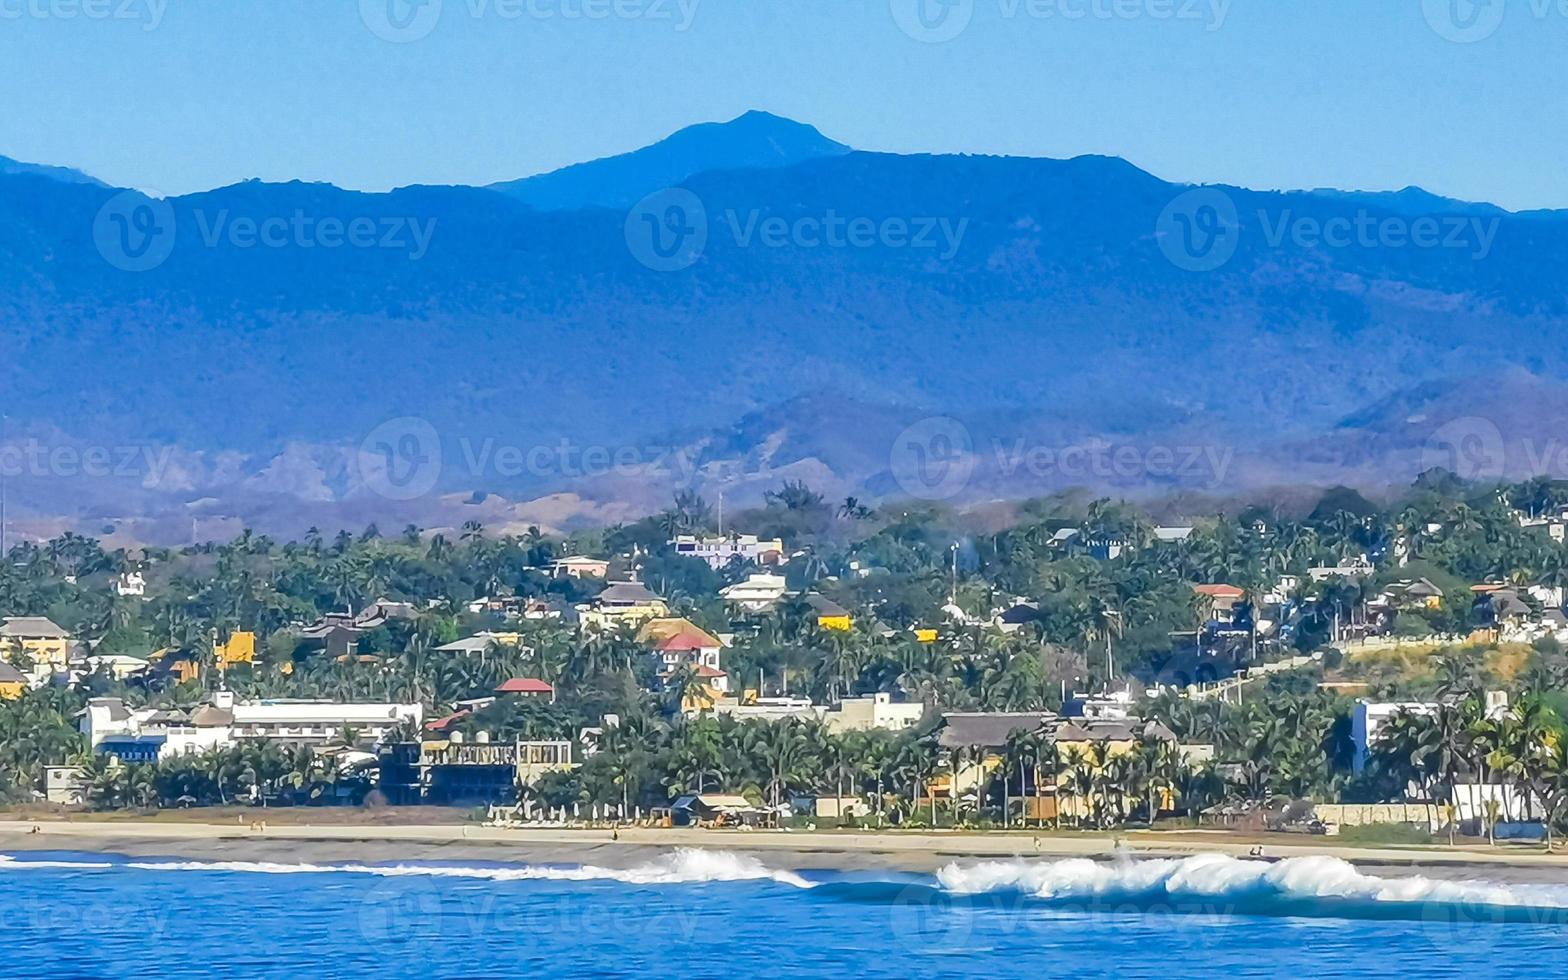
<point x="63" y="174"/>
<point x="754" y="140"/>
<point x="1412" y="201"/>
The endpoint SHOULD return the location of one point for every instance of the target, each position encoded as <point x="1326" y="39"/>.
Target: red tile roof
<point x="1220" y="591"/>
<point x="525" y="685"/>
<point x="686" y="640"/>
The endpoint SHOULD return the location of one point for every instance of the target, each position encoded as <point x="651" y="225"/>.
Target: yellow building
<point x="623" y="603"/>
<point x="171" y="662"/>
<point x="240" y="649"/>
<point x="1091" y="743"/>
<point x="830" y="615"/>
<point x="12" y="684"/>
<point x="38" y="639"/>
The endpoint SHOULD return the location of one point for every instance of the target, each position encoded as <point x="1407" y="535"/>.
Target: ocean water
<point x="701" y="914"/>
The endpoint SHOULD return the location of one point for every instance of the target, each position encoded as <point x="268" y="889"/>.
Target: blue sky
<point x="182" y="95"/>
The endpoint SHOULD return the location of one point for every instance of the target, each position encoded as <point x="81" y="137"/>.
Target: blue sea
<point x="699" y="913"/>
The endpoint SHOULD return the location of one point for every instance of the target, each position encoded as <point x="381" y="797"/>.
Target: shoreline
<point x="908" y="851"/>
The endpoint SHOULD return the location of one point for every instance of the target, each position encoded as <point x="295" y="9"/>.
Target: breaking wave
<point x="1217" y="883"/>
<point x="682" y="866"/>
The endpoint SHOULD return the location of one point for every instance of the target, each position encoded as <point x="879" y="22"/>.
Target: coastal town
<point x="1388" y="672"/>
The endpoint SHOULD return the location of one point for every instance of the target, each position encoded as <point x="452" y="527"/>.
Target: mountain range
<point x="744" y="303"/>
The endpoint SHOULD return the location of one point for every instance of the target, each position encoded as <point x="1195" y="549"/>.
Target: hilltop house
<point x="1220" y="600"/>
<point x="580" y="566"/>
<point x="12" y="682"/>
<point x="131" y="583"/>
<point x="829" y="614"/>
<point x="678" y="643"/>
<point x="483" y="642"/>
<point x="758" y="593"/>
<point x="528" y="687"/>
<point x="877" y="711"/>
<point x="624" y="602"/>
<point x="720" y="551"/>
<point x="39" y="639"/>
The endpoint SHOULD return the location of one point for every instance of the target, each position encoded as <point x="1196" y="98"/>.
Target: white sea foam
<point x="8" y="863"/>
<point x="682" y="866"/>
<point x="1217" y="876"/>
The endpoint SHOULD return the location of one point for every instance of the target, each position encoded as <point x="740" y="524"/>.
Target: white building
<point x="758" y="593"/>
<point x="1369" y="718"/>
<point x="131" y="584"/>
<point x="717" y="552"/>
<point x="154" y="734"/>
<point x="877" y="711"/>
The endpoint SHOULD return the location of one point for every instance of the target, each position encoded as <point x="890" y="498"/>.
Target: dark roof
<point x="825" y="606"/>
<point x="989" y="729"/>
<point x="379" y="612"/>
<point x="115" y="707"/>
<point x="10" y="675"/>
<point x="31" y="627"/>
<point x="627" y="593"/>
<point x="1021" y="613"/>
<point x="208" y="716"/>
<point x="1110" y="730"/>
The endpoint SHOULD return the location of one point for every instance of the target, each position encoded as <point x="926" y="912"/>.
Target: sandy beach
<point x="894" y="850"/>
